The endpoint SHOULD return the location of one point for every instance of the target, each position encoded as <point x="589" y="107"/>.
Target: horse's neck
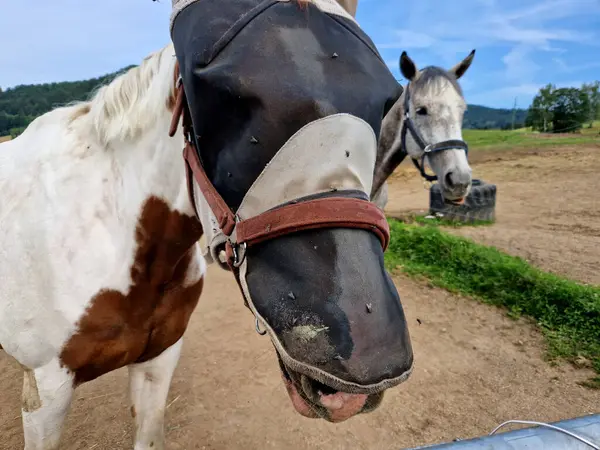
<point x="153" y="166"/>
<point x="131" y="119"/>
<point x="391" y="126"/>
<point x="389" y="147"/>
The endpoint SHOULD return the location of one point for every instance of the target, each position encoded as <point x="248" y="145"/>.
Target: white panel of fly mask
<point x="336" y="152"/>
<point x="330" y="7"/>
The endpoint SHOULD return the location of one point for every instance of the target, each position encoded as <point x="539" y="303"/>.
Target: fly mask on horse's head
<point x="284" y="103"/>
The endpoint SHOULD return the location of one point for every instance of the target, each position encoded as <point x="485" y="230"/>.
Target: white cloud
<point x="527" y="38"/>
<point x="565" y="67"/>
<point x="519" y="64"/>
<point x="553" y="10"/>
<point x="410" y="39"/>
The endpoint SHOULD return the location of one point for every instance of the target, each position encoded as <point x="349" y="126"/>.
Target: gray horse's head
<point x="426" y="124"/>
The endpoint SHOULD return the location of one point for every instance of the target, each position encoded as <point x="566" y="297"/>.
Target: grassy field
<point x="499" y="139"/>
<point x="567" y="312"/>
<point x="4" y="138"/>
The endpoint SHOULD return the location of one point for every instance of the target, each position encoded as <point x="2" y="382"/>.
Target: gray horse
<point x="432" y="104"/>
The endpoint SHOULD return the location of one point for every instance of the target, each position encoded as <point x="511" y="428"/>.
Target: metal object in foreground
<point x="585" y="429"/>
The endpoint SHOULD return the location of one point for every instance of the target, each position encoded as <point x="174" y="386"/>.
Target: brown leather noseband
<point x="330" y="212"/>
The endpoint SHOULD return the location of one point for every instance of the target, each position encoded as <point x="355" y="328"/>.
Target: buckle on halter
<point x="238" y="256"/>
<point x="235" y="252"/>
<point x="427" y="148"/>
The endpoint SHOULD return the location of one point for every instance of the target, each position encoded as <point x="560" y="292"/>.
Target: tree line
<point x="20" y="105"/>
<point x="484" y="118"/>
<point x="564" y="110"/>
<point x="552" y="109"/>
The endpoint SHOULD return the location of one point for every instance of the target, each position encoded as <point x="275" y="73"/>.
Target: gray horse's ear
<point x="460" y="69"/>
<point x="407" y="67"/>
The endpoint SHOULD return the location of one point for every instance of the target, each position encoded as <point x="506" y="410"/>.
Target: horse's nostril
<point x="448" y="180"/>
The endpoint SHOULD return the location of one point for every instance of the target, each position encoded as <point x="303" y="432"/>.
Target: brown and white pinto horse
<point x="100" y="265"/>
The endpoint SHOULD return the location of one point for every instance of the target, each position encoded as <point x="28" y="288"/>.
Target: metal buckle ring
<point x="237" y="261"/>
<point x="258" y="330"/>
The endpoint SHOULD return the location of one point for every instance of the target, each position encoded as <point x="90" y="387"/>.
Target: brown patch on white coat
<point x="118" y="328"/>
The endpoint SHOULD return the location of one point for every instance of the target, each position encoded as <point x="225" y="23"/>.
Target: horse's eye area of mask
<point x="421" y="111"/>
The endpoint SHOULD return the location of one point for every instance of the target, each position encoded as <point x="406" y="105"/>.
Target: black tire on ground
<point x="480" y="204"/>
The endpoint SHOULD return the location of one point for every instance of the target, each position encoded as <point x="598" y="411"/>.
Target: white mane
<point x="133" y="102"/>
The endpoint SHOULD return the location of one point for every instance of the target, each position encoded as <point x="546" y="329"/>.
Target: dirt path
<point x="548" y="207"/>
<point x="474" y="369"/>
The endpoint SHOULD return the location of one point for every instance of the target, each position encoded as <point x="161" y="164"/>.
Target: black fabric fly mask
<point x="286" y="103"/>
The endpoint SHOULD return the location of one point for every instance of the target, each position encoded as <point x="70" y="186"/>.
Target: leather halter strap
<point x="330" y="212"/>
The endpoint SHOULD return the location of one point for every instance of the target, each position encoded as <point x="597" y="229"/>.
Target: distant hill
<point x="22" y="104"/>
<point x="482" y="118"/>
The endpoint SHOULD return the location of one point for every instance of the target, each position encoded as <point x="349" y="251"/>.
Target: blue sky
<point x="521" y="44"/>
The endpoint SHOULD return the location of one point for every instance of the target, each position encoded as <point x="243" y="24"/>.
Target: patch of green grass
<point x="592" y="383"/>
<point x="567" y="312"/>
<point x="594" y="130"/>
<point x="435" y="221"/>
<point x="489" y="139"/>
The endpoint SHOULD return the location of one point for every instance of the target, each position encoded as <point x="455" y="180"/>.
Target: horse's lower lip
<point x="301" y="406"/>
<point x="340" y="406"/>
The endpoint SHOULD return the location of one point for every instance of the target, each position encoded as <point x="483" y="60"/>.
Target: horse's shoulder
<point x="120" y="328"/>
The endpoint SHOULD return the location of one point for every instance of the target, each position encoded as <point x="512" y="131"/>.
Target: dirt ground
<point x="547" y="210"/>
<point x="475" y="368"/>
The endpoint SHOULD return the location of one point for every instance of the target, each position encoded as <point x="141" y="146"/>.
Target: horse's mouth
<point x="316" y="400"/>
<point x="457" y="201"/>
<point x="454" y="197"/>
